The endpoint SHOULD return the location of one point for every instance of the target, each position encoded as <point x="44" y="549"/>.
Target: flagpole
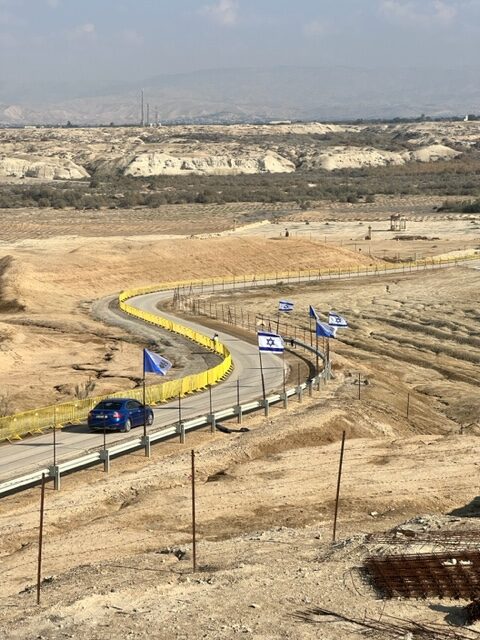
<point x="278" y="321"/>
<point x="283" y="365"/>
<point x="316" y="349"/>
<point x="144" y="401"/>
<point x="310" y="327"/>
<point x="262" y="376"/>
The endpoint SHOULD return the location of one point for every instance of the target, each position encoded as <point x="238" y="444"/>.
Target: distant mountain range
<point x="251" y="95"/>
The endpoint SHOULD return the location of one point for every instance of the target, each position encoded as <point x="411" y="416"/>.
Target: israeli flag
<point x="325" y="331"/>
<point x="154" y="363"/>
<point x="335" y="320"/>
<point x="283" y="305"/>
<point x="312" y="313"/>
<point x="270" y="342"/>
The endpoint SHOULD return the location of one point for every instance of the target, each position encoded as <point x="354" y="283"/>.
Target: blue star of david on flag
<point x="284" y="305"/>
<point x="271" y="342"/>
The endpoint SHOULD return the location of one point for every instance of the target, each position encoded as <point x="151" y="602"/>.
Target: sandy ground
<point x="48" y="287"/>
<point x="428" y="325"/>
<point x="114" y="558"/>
<point x="48" y="280"/>
<point x="265" y="506"/>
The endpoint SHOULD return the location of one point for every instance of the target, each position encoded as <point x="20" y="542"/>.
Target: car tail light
<point x="116" y="415"/>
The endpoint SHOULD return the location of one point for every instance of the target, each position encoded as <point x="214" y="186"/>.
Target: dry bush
<point x="83" y="390"/>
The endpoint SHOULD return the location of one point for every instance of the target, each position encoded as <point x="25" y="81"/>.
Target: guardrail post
<point x="266" y="407"/>
<point x="105" y="457"/>
<point x="146" y="442"/>
<point x="300" y="393"/>
<point x="212" y="422"/>
<point x="181" y="432"/>
<point x="238" y="410"/>
<point x="54" y="472"/>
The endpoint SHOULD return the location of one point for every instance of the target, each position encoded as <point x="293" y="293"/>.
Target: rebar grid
<point x="442" y="575"/>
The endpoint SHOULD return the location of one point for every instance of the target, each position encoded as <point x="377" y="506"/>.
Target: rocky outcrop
<point x="358" y="157"/>
<point x="157" y="163"/>
<point x="434" y="152"/>
<point x="44" y="168"/>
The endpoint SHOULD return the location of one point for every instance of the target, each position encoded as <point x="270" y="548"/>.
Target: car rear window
<point x="112" y="405"/>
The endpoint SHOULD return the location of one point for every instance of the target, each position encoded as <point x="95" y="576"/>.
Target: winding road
<point x="23" y="456"/>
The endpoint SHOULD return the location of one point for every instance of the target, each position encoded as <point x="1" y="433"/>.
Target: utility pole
<point x="142" y="119"/>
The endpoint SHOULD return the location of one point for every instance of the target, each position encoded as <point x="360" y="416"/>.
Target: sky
<point x="92" y="42"/>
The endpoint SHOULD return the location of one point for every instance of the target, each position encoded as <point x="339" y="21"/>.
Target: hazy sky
<point x="90" y="41"/>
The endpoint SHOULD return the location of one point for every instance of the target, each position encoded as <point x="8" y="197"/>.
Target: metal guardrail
<point x="175" y="429"/>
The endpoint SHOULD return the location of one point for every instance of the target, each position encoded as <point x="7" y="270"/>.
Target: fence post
<point x="40" y="539"/>
<point x="338" y="487"/>
<point x="54" y="472"/>
<point x="105" y="457"/>
<point x="239" y="406"/>
<point x="148" y="446"/>
<point x="266" y="407"/>
<point x="181" y="432"/>
<point x="194" y="534"/>
<point x="300" y="393"/>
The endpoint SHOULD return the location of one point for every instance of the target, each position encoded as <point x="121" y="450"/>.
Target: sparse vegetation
<point x="85" y="389"/>
<point x="6" y="405"/>
<point x="460" y="177"/>
<point x="472" y="206"/>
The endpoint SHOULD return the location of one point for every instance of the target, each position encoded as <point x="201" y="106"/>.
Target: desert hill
<point x="77" y="153"/>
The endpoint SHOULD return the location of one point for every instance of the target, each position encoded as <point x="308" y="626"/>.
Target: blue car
<point x="119" y="414"/>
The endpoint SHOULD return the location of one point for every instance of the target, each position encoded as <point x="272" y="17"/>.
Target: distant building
<point x="280" y="122"/>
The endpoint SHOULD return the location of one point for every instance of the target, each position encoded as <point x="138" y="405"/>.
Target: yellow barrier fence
<point x="30" y="422"/>
<point x="35" y="421"/>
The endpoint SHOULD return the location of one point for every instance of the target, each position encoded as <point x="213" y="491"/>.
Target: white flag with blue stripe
<point x="336" y="320"/>
<point x="284" y="305"/>
<point x="272" y="342"/>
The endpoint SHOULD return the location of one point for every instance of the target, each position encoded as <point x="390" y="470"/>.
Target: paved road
<point x="21" y="457"/>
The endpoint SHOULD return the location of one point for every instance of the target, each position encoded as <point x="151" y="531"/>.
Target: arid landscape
<point x="75" y="154"/>
<point x="118" y="554"/>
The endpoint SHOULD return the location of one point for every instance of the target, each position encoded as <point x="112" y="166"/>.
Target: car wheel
<point x="150" y="419"/>
<point x="128" y="425"/>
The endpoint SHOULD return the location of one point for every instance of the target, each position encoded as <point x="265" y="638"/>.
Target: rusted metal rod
<point x="194" y="526"/>
<point x="40" y="539"/>
<point x="338" y="487"/>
